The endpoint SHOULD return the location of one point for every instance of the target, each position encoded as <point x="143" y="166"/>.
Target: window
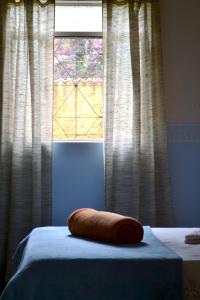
<point x="78" y="72"/>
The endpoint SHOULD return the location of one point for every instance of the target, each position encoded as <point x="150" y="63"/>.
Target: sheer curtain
<point x="136" y="171"/>
<point x="27" y="30"/>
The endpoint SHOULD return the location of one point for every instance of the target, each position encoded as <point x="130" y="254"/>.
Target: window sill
<point x="81" y="142"/>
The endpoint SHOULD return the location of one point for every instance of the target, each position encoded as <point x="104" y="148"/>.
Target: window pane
<point x="78" y="18"/>
<point x="78" y="89"/>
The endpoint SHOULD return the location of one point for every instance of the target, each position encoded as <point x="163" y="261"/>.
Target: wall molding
<point x="183" y="132"/>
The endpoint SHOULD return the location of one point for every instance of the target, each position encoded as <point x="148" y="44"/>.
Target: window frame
<point x="76" y="34"/>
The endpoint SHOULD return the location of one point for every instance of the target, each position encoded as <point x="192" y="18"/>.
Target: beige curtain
<point x="26" y="90"/>
<point x="136" y="170"/>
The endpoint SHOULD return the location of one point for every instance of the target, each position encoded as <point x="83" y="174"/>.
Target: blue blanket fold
<point x="53" y="265"/>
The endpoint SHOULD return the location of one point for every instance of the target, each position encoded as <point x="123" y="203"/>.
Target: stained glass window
<point x="78" y="89"/>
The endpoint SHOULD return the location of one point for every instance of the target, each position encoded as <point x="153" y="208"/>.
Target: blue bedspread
<point x="53" y="265"/>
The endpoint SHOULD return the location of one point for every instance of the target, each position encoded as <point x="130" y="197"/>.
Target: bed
<point x="190" y="254"/>
<point x="53" y="265"/>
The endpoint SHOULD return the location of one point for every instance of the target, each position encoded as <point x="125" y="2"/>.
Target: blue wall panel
<point x="185" y="175"/>
<point x="78" y="178"/>
<point x="184" y="158"/>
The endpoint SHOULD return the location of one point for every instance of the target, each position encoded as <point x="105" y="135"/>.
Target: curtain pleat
<point x="136" y="168"/>
<point x="26" y="122"/>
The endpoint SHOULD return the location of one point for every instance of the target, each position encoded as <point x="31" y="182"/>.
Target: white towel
<point x="193" y="237"/>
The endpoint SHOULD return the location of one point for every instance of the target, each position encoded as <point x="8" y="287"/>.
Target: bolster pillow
<point x="105" y="226"/>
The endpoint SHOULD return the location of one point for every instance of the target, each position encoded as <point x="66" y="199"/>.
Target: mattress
<point x="174" y="238"/>
<point x="53" y="264"/>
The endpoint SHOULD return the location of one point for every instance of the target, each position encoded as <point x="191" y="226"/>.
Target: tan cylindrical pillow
<point x="105" y="226"/>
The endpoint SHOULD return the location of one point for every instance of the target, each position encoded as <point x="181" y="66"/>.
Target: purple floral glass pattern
<point x="78" y="58"/>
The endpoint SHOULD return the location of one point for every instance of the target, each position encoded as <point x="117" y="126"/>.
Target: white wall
<point x="180" y="25"/>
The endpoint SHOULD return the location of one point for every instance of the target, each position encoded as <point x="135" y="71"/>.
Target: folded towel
<point x="105" y="226"/>
<point x="193" y="238"/>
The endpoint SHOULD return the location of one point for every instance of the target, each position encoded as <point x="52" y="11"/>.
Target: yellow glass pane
<point x="89" y="99"/>
<point x="78" y="111"/>
<point x="90" y="128"/>
<point x="63" y="100"/>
